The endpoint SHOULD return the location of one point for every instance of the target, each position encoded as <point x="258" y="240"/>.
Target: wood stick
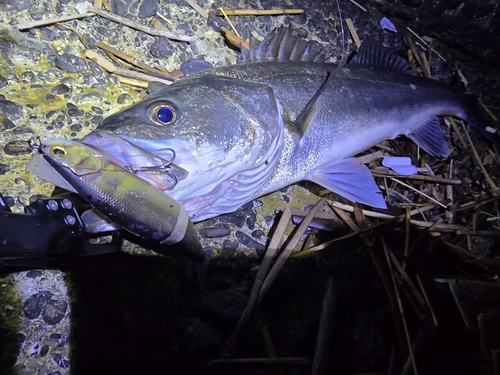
<point x="453" y="124"/>
<point x="494" y="188"/>
<point x="420" y="177"/>
<point x="323" y="339"/>
<point x="51" y="21"/>
<point x="418" y="191"/>
<point x="234" y="39"/>
<point x="130" y="59"/>
<point x="353" y="32"/>
<point x="283" y="257"/>
<point x="137" y="25"/>
<point x="258" y="12"/>
<point x="272" y="248"/>
<point x="400" y="306"/>
<point x="199" y="9"/>
<point x="110" y="67"/>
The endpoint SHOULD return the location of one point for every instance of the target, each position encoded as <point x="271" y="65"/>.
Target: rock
<point x="13" y="111"/>
<point x="5" y="123"/>
<point x="54" y="311"/>
<point x="248" y="241"/>
<point x="71" y="63"/>
<point x="221" y="230"/>
<point x="60" y="360"/>
<point x="34" y="304"/>
<point x="60" y="89"/>
<point x="15" y="148"/>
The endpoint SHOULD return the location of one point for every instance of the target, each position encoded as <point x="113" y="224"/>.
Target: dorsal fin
<point x="282" y="45"/>
<point x="375" y="55"/>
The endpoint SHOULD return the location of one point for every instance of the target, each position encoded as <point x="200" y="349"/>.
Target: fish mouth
<point x="157" y="169"/>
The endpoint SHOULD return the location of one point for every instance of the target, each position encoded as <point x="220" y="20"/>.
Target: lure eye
<point x="58" y="152"/>
<point x="163" y="114"/>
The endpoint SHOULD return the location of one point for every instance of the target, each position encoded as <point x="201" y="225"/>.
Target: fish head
<point x="219" y="129"/>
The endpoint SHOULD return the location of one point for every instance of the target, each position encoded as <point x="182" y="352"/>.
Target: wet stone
<point x="54" y="311"/>
<point x="44" y="350"/>
<point x="5" y="123"/>
<point x="60" y="360"/>
<point x="4" y="168"/>
<point x="257" y="233"/>
<point x="28" y="77"/>
<point x="48" y="34"/>
<point x="16" y="148"/>
<point x="230" y="245"/>
<point x="76" y="127"/>
<point x="71" y="63"/>
<point x="16" y="5"/>
<point x="248" y="241"/>
<point x="3" y="81"/>
<point x="96" y="120"/>
<point x="14" y="111"/>
<point x="33" y="274"/>
<point x="123" y="98"/>
<point x="221" y="230"/>
<point x="97" y="110"/>
<point x="237" y="218"/>
<point x="34" y="304"/>
<point x="60" y="89"/>
<point x="9" y="200"/>
<point x="91" y="97"/>
<point x="161" y="48"/>
<point x="22" y="130"/>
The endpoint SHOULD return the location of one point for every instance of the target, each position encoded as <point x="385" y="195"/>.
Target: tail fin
<point x="480" y="121"/>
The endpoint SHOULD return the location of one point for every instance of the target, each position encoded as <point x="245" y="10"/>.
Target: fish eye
<point x="58" y="152"/>
<point x="163" y="114"/>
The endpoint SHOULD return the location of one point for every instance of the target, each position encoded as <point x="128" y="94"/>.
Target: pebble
<point x="14" y="111"/>
<point x="60" y="89"/>
<point x="218" y="231"/>
<point x="54" y="311"/>
<point x="71" y="63"/>
<point x="4" y="168"/>
<point x="237" y="218"/>
<point x="161" y="48"/>
<point x="3" y="81"/>
<point x="15" y="148"/>
<point x="249" y="242"/>
<point x="34" y="304"/>
<point x="60" y="360"/>
<point x="5" y="123"/>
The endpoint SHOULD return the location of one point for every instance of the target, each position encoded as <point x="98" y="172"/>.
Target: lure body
<point x="119" y="195"/>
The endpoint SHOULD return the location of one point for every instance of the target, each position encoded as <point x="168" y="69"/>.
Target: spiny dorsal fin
<point x="375" y="55"/>
<point x="282" y="45"/>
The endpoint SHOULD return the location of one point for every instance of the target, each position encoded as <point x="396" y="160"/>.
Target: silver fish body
<point x="241" y="131"/>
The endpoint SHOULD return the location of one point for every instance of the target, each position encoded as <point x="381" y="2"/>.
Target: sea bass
<point x="117" y="193"/>
<point x="246" y="130"/>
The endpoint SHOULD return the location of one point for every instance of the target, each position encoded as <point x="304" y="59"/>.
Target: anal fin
<point x="351" y="179"/>
<point x="430" y="137"/>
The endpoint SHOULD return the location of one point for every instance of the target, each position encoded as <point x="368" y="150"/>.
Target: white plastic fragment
<point x="491" y="130"/>
<point x="386" y="24"/>
<point x="400" y="164"/>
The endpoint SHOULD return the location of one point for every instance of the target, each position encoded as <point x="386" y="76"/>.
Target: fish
<point x="117" y="194"/>
<point x="284" y="115"/>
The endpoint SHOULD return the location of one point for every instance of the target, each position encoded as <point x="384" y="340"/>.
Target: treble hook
<point x="162" y="168"/>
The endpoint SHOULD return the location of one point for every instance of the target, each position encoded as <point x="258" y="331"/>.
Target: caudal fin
<point x="479" y="120"/>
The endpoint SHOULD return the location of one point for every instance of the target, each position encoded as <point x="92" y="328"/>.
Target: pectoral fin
<point x="351" y="179"/>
